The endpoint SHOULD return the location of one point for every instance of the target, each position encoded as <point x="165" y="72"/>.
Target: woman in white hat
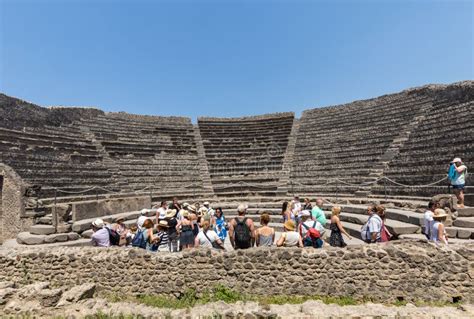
<point x="438" y="232"/>
<point x="458" y="179"/>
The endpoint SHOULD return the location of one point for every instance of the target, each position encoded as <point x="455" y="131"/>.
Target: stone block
<point x="30" y="239"/>
<point x="466" y="212"/>
<point x="77" y="293"/>
<point x="73" y="236"/>
<point x="49" y="297"/>
<point x="104" y="207"/>
<point x="53" y="238"/>
<point x="464" y="222"/>
<point x="465" y="233"/>
<point x="42" y="229"/>
<point x="87" y="234"/>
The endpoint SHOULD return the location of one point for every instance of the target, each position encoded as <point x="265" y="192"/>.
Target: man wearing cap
<point x="458" y="180"/>
<point x="100" y="237"/>
<point x="241" y="225"/>
<point x="142" y="218"/>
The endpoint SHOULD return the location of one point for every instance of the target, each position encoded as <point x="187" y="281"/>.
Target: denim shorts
<point x="460" y="187"/>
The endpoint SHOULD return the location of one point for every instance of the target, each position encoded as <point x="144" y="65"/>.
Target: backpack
<point x="139" y="240"/>
<point x="452" y="172"/>
<point x="114" y="237"/>
<point x="312" y="237"/>
<point x="242" y="234"/>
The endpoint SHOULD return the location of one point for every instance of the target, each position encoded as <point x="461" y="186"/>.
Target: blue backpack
<point x="139" y="240"/>
<point x="452" y="172"/>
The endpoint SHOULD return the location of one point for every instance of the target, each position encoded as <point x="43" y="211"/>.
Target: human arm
<point x="460" y="168"/>
<point x="441" y="235"/>
<point x="339" y="225"/>
<point x="257" y="238"/>
<point x="196" y="241"/>
<point x="251" y="226"/>
<point x="300" y="241"/>
<point x="281" y="240"/>
<point x="231" y="233"/>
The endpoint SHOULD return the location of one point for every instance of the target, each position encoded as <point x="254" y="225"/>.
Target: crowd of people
<point x="177" y="227"/>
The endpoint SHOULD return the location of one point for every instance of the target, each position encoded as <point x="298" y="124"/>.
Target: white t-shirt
<point x="203" y="241"/>
<point x="373" y="225"/>
<point x="428" y="217"/>
<point x="460" y="177"/>
<point x="161" y="213"/>
<point x="140" y="221"/>
<point x="310" y="224"/>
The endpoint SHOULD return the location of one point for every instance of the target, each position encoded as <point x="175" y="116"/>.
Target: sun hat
<point x="99" y="223"/>
<point x="163" y="223"/>
<point x="170" y="213"/>
<point x="242" y="208"/>
<point x="457" y="159"/>
<point x="304" y="213"/>
<point x="191" y="208"/>
<point x="185" y="205"/>
<point x="290" y="225"/>
<point x="439" y="212"/>
<point x="120" y="218"/>
<point x="144" y="211"/>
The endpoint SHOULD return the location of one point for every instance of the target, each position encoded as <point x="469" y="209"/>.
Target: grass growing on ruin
<point x="221" y="293"/>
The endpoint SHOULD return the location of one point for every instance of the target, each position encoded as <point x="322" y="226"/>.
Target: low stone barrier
<point x="383" y="272"/>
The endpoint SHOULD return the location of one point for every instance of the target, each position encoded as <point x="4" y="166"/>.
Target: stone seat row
<point x="329" y="154"/>
<point x="117" y="134"/>
<point x="149" y="154"/>
<point x="226" y="139"/>
<point x="145" y="147"/>
<point x="60" y="143"/>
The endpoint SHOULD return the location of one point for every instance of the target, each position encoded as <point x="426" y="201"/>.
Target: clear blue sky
<point x="228" y="58"/>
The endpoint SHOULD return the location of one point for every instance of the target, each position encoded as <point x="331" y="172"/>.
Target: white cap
<point x="206" y="204"/>
<point x="99" y="223"/>
<point x="305" y="213"/>
<point x="457" y="159"/>
<point x="242" y="208"/>
<point x="144" y="211"/>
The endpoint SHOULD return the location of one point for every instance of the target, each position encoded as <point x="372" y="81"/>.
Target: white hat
<point x="99" y="223"/>
<point x="305" y="213"/>
<point x="242" y="208"/>
<point x="144" y="211"/>
<point x="206" y="204"/>
<point x="457" y="159"/>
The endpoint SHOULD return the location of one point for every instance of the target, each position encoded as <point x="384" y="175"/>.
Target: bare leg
<point x="461" y="199"/>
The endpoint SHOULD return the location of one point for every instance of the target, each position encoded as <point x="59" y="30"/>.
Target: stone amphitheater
<point x="62" y="167"/>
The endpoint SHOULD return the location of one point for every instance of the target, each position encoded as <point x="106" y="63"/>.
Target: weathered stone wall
<point x="411" y="270"/>
<point x="13" y="207"/>
<point x="103" y="207"/>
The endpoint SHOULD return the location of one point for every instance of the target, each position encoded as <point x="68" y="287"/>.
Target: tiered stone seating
<point x="346" y="141"/>
<point x="149" y="151"/>
<point x="445" y="133"/>
<point x="245" y="155"/>
<point x="53" y="157"/>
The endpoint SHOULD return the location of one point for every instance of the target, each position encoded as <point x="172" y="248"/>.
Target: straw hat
<point x="191" y="208"/>
<point x="185" y="205"/>
<point x="170" y="213"/>
<point x="439" y="213"/>
<point x="120" y="219"/>
<point x="290" y="225"/>
<point x="163" y="223"/>
<point x="99" y="223"/>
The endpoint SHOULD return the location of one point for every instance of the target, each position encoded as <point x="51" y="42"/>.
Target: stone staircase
<point x="393" y="150"/>
<point x="202" y="164"/>
<point x="284" y="181"/>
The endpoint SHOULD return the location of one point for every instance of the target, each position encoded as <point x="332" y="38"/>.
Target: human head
<point x="219" y="212"/>
<point x="284" y="206"/>
<point x="289" y="225"/>
<point x="380" y="211"/>
<point x="184" y="213"/>
<point x="120" y="220"/>
<point x="133" y="228"/>
<point x="206" y="204"/>
<point x="148" y="223"/>
<point x="296" y="199"/>
<point x="242" y="209"/>
<point x="305" y="215"/>
<point x="163" y="225"/>
<point x="432" y="205"/>
<point x="319" y="202"/>
<point x="205" y="225"/>
<point x="264" y="219"/>
<point x="175" y="200"/>
<point x="307" y="201"/>
<point x="439" y="215"/>
<point x="371" y="209"/>
<point x="97" y="224"/>
<point x="336" y="210"/>
<point x="457" y="161"/>
<point x="163" y="204"/>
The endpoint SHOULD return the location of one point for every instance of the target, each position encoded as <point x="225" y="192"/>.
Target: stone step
<point x="39" y="229"/>
<point x="466" y="212"/>
<point x="464" y="222"/>
<point x="423" y="237"/>
<point x="362" y="193"/>
<point x="85" y="224"/>
<point x="401" y="215"/>
<point x="464" y="233"/>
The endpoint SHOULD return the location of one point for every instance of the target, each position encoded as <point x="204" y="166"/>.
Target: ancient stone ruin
<point x="61" y="167"/>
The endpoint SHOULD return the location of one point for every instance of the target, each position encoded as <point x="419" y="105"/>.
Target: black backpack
<point x="114" y="237"/>
<point x="242" y="234"/>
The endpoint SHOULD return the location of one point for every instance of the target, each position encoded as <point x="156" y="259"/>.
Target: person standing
<point x="457" y="176"/>
<point x="161" y="213"/>
<point x="242" y="230"/>
<point x="336" y="239"/>
<point x="371" y="232"/>
<point x="219" y="224"/>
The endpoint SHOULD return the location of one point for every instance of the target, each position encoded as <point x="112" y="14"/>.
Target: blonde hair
<point x="336" y="210"/>
<point x="205" y="225"/>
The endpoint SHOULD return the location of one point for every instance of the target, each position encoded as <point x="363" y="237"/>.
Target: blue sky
<point x="228" y="58"/>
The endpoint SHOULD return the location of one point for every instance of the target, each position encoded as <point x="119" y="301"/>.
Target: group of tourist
<point x="182" y="226"/>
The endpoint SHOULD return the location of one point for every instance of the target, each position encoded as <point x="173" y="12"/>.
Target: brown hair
<point x="380" y="211"/>
<point x="148" y="223"/>
<point x="264" y="218"/>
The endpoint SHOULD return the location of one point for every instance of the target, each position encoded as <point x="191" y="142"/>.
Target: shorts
<point x="460" y="187"/>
